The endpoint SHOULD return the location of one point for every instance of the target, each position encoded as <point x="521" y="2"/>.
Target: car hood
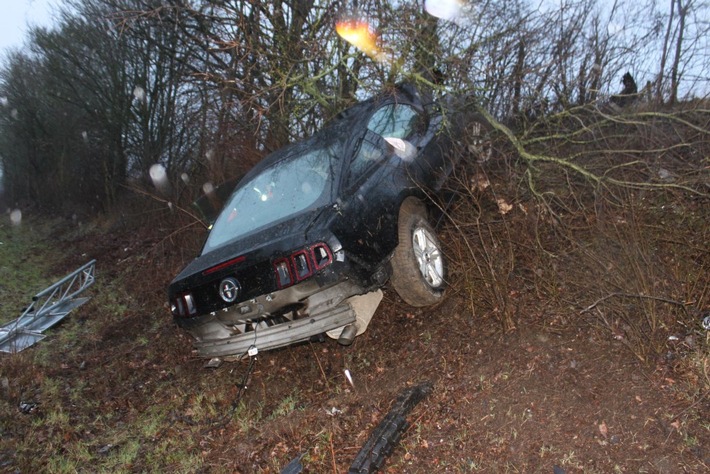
<point x="299" y="230"/>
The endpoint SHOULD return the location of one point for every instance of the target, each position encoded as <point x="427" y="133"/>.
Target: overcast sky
<point x="15" y="15"/>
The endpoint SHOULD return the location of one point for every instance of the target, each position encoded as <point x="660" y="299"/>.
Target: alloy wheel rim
<point x="429" y="257"/>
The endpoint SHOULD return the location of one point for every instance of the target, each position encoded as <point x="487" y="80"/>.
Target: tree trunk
<point x="664" y="56"/>
<point x="682" y="10"/>
<point x="518" y="76"/>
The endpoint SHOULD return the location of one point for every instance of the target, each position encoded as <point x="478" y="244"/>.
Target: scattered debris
<point x="104" y="450"/>
<point x="349" y="377"/>
<point x="213" y="363"/>
<point x="28" y="407"/>
<point x="295" y="466"/>
<point x="333" y="411"/>
<point x="48" y="307"/>
<point x="388" y="432"/>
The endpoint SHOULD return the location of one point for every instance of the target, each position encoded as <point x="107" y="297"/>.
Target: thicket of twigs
<point x="603" y="216"/>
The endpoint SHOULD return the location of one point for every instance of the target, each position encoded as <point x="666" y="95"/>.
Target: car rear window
<point x="288" y="187"/>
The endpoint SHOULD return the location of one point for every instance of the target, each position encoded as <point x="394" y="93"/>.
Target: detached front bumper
<point x="272" y="335"/>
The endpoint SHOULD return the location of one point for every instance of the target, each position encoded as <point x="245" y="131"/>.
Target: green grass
<point x="27" y="244"/>
<point x="71" y="424"/>
<point x="285" y="406"/>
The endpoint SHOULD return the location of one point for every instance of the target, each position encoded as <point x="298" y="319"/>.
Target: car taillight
<point x="301" y="264"/>
<point x="283" y="273"/>
<point x="322" y="256"/>
<point x="183" y="305"/>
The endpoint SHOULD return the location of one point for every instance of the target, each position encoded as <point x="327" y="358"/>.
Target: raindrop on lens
<point x="139" y="93"/>
<point x="160" y="178"/>
<point x="444" y="9"/>
<point x="158" y="175"/>
<point x="16" y="217"/>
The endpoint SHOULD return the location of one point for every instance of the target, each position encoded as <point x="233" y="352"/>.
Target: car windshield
<point x="299" y="181"/>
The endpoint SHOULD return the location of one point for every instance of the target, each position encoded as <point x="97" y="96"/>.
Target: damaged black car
<point x="313" y="232"/>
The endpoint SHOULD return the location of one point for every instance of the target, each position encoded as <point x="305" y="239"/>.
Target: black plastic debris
<point x="295" y="466"/>
<point x="389" y="431"/>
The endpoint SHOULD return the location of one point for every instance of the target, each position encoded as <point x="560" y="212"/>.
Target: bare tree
<point x="682" y="13"/>
<point x="206" y="87"/>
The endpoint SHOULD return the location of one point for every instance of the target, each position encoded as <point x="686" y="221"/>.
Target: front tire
<point x="418" y="264"/>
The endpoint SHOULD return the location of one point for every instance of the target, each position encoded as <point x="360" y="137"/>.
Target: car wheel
<point x="418" y="264"/>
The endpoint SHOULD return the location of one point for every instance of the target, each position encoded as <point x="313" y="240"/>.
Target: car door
<point x="381" y="169"/>
<point x="414" y="138"/>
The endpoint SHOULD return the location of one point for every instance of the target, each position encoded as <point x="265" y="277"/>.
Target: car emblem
<point x="229" y="289"/>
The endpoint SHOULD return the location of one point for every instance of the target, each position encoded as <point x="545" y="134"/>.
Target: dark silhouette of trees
<point x="206" y="87"/>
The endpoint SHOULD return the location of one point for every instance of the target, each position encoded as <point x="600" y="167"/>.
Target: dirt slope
<point x="117" y="388"/>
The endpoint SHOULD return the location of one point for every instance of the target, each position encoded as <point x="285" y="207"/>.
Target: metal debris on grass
<point x="47" y="308"/>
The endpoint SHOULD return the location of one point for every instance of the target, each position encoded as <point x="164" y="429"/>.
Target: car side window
<point x="372" y="149"/>
<point x="391" y="121"/>
<point x="396" y="121"/>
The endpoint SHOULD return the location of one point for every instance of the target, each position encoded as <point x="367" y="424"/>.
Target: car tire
<point x="418" y="264"/>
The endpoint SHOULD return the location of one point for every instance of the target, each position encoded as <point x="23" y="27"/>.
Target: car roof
<point x="345" y="122"/>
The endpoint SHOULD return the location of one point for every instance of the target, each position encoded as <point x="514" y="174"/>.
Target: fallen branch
<point x="631" y="295"/>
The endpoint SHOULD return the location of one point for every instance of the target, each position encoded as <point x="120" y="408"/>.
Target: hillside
<point x="570" y="337"/>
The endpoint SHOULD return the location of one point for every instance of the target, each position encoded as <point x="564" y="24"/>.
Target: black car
<point x="312" y="233"/>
